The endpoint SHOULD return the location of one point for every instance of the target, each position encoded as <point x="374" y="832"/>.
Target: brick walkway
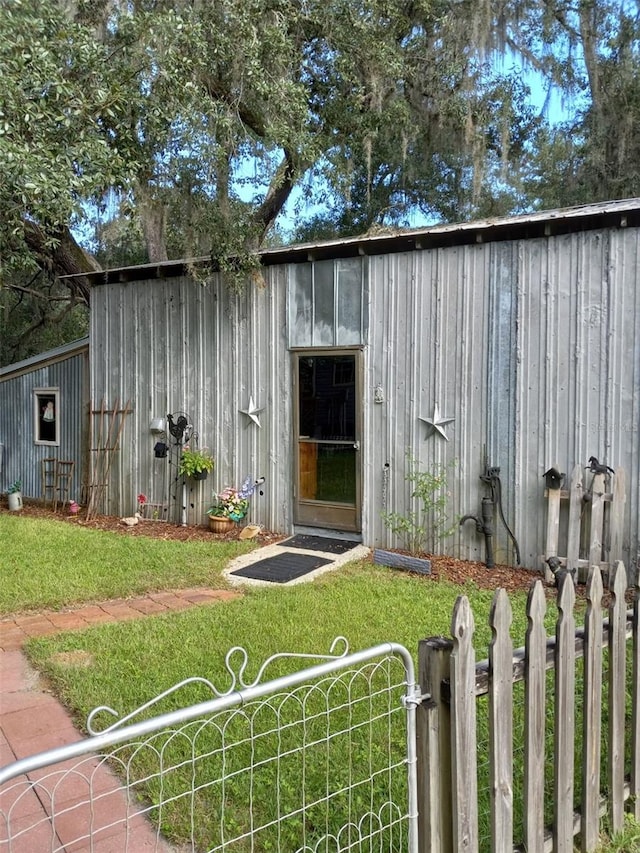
<point x="32" y="720"/>
<point x="14" y="630"/>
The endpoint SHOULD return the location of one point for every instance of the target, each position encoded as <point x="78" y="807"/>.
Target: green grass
<point x="626" y="841"/>
<point x="124" y="665"/>
<point x="49" y="564"/>
<point x="365" y="603"/>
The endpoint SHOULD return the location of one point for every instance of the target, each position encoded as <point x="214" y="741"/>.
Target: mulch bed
<point x="146" y="527"/>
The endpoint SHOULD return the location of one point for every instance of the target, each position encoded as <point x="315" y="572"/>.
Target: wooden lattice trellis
<point x="107" y="426"/>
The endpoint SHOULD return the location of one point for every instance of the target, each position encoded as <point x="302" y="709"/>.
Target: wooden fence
<point x="575" y="791"/>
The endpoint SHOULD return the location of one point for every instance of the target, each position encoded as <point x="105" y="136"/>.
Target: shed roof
<point x="611" y="214"/>
<point x="49" y="357"/>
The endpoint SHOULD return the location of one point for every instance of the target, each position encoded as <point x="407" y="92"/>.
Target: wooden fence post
<point x="616" y="518"/>
<point x="576" y="507"/>
<point x="617" y="693"/>
<point x="534" y="719"/>
<point x="501" y="722"/>
<point x="464" y="745"/>
<point x="564" y="743"/>
<point x="434" y="749"/>
<point x="598" y="489"/>
<point x="553" y="530"/>
<point x="635" y="705"/>
<point x="592" y="714"/>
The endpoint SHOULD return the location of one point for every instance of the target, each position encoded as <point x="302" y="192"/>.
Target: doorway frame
<point x="326" y="514"/>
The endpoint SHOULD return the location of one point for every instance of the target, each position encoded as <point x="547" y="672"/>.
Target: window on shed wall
<point x="327" y="303"/>
<point x="46" y="416"/>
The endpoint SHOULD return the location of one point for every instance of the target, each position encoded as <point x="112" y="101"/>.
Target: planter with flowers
<point x="229" y="506"/>
<point x="195" y="463"/>
<point x="14" y="495"/>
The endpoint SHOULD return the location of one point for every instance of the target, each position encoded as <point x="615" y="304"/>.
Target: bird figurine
<point x="554" y="564"/>
<point x="598" y="467"/>
<point x="131" y="520"/>
<point x="177" y="427"/>
<point x="559" y="571"/>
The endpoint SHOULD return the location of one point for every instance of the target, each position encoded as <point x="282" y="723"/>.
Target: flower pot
<point x="199" y="475"/>
<point x="15" y="501"/>
<point x="220" y="524"/>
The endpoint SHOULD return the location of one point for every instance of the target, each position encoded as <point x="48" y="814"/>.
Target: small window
<point x="328" y="303"/>
<point x="46" y="410"/>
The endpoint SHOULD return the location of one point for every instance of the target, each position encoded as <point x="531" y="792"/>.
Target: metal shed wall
<point x="530" y="344"/>
<point x="21" y="457"/>
<point x="174" y="345"/>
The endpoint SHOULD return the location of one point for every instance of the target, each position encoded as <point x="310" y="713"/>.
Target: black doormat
<point x="320" y="543"/>
<point x="281" y="569"/>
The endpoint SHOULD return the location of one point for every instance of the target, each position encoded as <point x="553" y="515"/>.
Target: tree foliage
<point x="161" y="128"/>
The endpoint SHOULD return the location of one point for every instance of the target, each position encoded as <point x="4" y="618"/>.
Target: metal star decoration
<point x="437" y="422"/>
<point x="252" y="411"/>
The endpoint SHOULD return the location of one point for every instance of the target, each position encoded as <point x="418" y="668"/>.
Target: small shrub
<point x="420" y="528"/>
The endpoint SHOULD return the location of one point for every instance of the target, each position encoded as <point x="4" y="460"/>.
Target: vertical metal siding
<point x="22" y="457"/>
<point x="426" y="349"/>
<point x="531" y="345"/>
<point x="174" y="345"/>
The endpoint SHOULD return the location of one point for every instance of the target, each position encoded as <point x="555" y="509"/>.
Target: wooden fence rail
<point x="447" y="721"/>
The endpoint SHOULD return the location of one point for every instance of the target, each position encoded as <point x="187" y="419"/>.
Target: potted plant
<point x="229" y="506"/>
<point x="14" y="494"/>
<point x="195" y="463"/>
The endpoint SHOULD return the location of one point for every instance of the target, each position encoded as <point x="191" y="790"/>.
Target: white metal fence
<point x="321" y="759"/>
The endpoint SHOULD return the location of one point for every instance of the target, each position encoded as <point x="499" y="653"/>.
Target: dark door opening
<point x="328" y="413"/>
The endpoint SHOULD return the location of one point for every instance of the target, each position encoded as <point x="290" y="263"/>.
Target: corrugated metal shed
<point x="523" y="330"/>
<point x="65" y="369"/>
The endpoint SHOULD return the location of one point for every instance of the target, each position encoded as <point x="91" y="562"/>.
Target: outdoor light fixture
<point x="157" y="426"/>
<point x="160" y="449"/>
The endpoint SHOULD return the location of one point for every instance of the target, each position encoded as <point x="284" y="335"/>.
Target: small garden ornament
<point x="14" y="494"/>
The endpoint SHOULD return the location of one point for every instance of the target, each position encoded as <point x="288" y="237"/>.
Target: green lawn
<point x="365" y="603"/>
<point x="123" y="665"/>
<point x="50" y="564"/>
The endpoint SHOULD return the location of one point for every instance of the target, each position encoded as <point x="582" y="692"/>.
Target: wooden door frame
<point x="328" y="515"/>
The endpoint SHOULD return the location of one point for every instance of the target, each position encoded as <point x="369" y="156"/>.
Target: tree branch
<point x="65" y="257"/>
<point x="279" y="191"/>
<point x="39" y="295"/>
